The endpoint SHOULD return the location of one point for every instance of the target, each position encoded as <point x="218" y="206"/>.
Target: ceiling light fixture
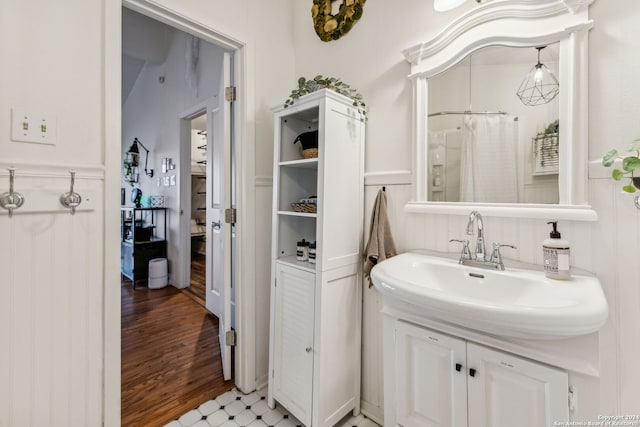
<point x="446" y="5"/>
<point x="539" y="86"/>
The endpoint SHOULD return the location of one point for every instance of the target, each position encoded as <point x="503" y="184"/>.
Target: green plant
<point x="129" y="164"/>
<point x="551" y="129"/>
<point x="547" y="149"/>
<point x="629" y="165"/>
<point x="320" y="82"/>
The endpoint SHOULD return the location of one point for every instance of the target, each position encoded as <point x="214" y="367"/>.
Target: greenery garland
<point x="332" y="27"/>
<point x="320" y="82"/>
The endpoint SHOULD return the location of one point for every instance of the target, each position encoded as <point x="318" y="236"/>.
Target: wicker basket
<point x="304" y="207"/>
<point x="310" y="153"/>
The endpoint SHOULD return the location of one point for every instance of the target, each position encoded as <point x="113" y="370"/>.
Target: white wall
<point x="614" y="104"/>
<point x="41" y="71"/>
<point x="369" y="59"/>
<point x="152" y="114"/>
<point x="53" y="264"/>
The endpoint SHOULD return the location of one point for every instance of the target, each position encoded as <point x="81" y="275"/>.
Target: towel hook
<point x="71" y="200"/>
<point x="11" y="200"/>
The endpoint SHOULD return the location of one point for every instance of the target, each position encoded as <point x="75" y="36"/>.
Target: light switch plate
<point x="31" y="126"/>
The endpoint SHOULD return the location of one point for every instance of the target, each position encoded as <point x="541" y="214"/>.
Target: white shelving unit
<point x="316" y="308"/>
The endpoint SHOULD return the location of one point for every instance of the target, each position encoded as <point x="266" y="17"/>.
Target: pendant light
<point x="539" y="86"/>
<point x="446" y="5"/>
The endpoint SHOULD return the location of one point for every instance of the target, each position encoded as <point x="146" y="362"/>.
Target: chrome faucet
<point x="480" y="257"/>
<point x="481" y="254"/>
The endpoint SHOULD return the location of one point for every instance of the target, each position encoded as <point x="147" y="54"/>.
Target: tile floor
<point x="233" y="409"/>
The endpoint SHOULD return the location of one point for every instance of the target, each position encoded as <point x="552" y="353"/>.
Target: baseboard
<point x="372" y="412"/>
<point x="262" y="382"/>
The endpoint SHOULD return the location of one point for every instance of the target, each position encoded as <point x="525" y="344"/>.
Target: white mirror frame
<point x="515" y="23"/>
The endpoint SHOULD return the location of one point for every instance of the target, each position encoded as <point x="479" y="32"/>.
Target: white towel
<point x="380" y="245"/>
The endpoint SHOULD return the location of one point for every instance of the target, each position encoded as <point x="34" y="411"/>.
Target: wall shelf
<point x="302" y="163"/>
<point x="300" y="214"/>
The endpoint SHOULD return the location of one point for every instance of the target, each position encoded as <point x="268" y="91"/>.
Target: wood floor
<point x="198" y="276"/>
<point x="170" y="355"/>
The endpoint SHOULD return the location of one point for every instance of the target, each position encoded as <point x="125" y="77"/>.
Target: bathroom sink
<point x="519" y="302"/>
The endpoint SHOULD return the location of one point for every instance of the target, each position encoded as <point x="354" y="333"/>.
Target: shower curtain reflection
<point x="444" y="163"/>
<point x="489" y="158"/>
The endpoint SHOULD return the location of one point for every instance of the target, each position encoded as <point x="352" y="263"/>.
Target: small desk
<point x="143" y="237"/>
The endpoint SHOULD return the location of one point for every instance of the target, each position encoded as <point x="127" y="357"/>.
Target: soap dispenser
<point x="556" y="255"/>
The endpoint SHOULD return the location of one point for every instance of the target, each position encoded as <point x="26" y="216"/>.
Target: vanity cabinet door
<point x="507" y="391"/>
<point x="293" y="340"/>
<point x="431" y="389"/>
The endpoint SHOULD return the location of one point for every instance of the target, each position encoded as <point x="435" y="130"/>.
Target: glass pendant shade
<point x="445" y="5"/>
<point x="539" y="86"/>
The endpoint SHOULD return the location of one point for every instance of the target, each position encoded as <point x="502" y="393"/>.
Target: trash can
<point x="157" y="273"/>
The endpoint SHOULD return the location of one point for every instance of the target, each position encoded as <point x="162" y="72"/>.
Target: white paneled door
<point x="219" y="232"/>
<point x="431" y="386"/>
<point x="293" y="338"/>
<point x="506" y="391"/>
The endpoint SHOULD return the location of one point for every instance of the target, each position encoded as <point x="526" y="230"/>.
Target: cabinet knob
<point x="308" y="349"/>
<point x="458" y="367"/>
<point x="472" y="372"/>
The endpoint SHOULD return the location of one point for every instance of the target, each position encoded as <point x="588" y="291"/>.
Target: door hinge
<point x="230" y="215"/>
<point x="572" y="399"/>
<point x="230" y="338"/>
<point x="230" y="93"/>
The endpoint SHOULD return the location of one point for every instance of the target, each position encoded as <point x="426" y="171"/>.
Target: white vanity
<point x="465" y="346"/>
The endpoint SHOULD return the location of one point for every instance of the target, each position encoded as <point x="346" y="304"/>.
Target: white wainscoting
<point x="616" y="248"/>
<point x="51" y="300"/>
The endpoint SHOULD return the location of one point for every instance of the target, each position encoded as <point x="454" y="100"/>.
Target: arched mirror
<point x="482" y="139"/>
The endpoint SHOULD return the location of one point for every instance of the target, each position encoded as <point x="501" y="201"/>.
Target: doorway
<point x="244" y="266"/>
<point x="150" y="100"/>
<point x="198" y="210"/>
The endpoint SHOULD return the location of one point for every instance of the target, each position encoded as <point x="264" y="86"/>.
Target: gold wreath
<point x="332" y="27"/>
